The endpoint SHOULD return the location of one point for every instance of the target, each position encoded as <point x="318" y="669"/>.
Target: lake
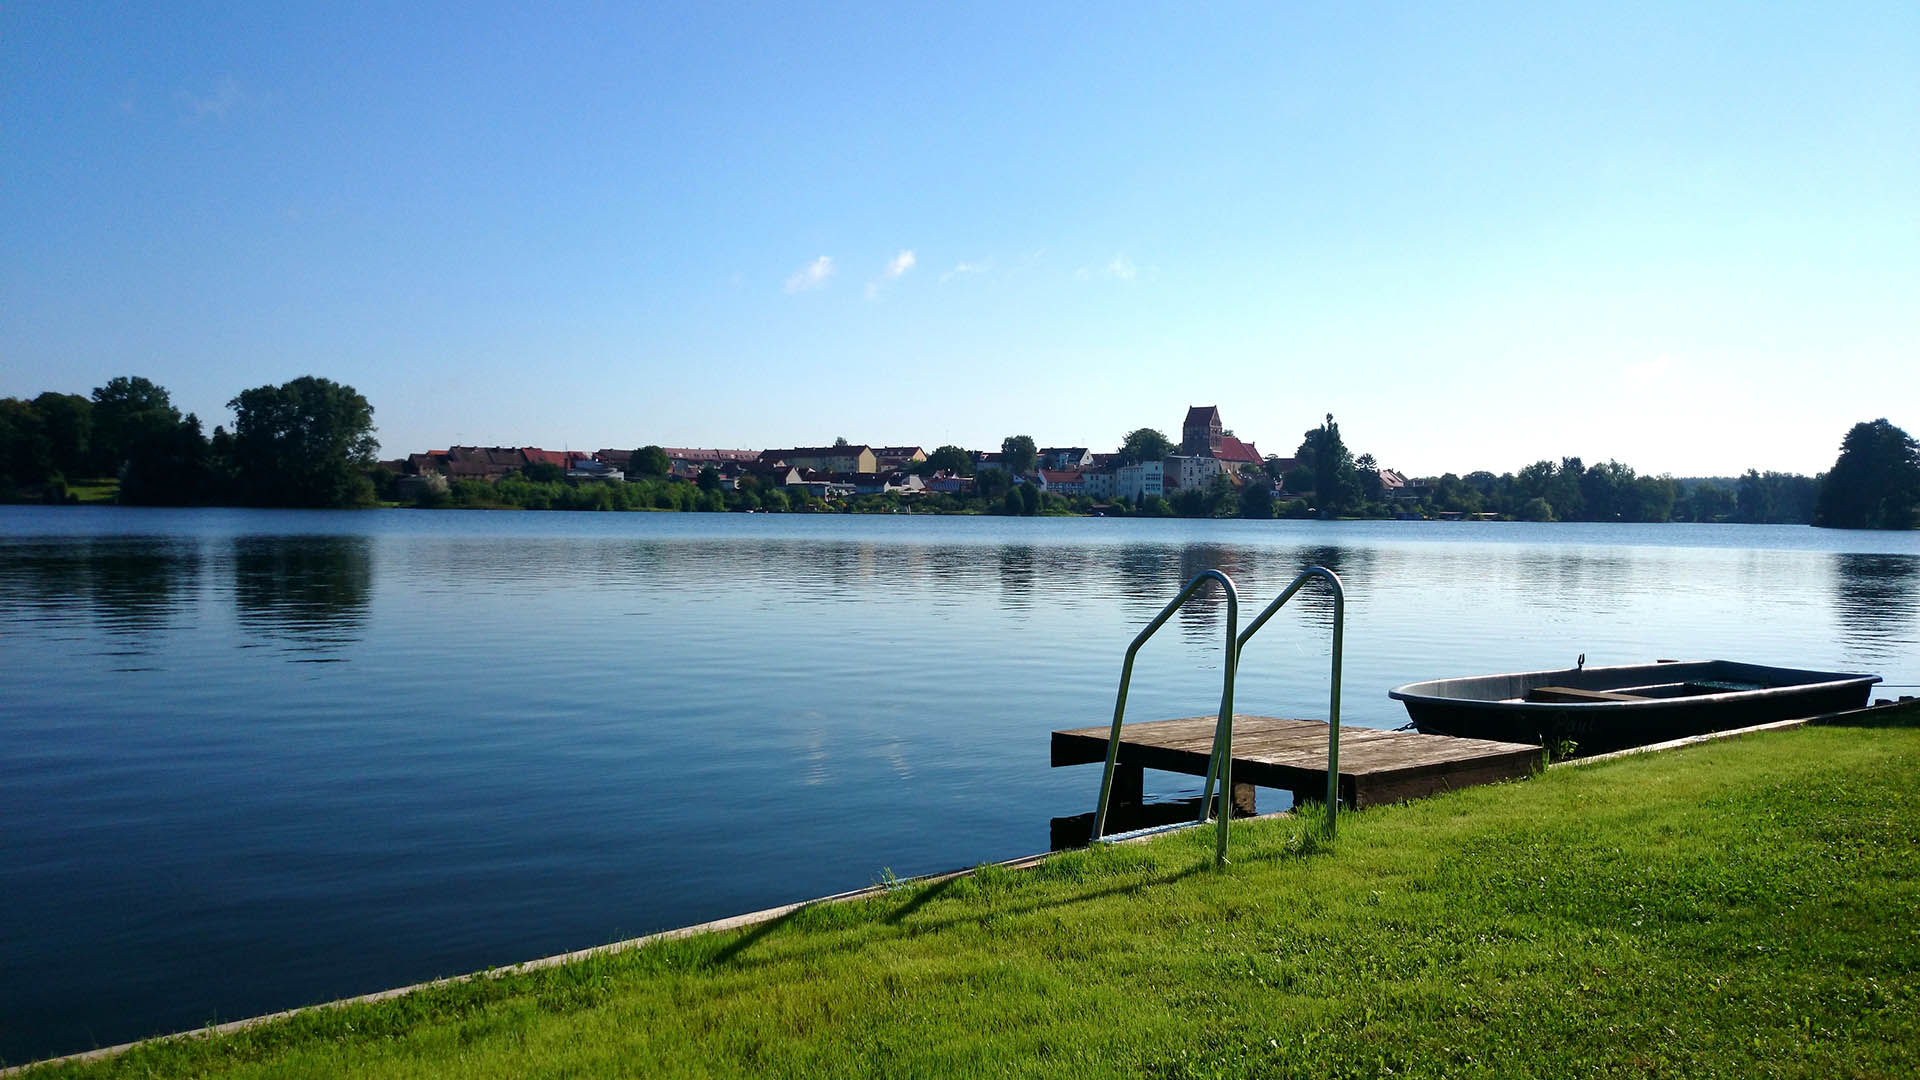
<point x="259" y="759"/>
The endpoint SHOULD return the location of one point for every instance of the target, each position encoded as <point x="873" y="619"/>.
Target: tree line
<point x="1875" y="483"/>
<point x="304" y="443"/>
<point x="310" y="443"/>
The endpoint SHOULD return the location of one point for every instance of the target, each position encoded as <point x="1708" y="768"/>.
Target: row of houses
<point x="496" y="462"/>
<point x="1207" y="450"/>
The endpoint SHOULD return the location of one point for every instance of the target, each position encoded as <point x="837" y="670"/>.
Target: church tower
<point x="1200" y="435"/>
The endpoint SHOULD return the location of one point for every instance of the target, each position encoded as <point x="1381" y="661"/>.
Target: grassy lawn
<point x="1746" y="908"/>
<point x="94" y="491"/>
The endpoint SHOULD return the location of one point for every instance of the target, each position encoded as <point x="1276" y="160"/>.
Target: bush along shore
<point x="1738" y="908"/>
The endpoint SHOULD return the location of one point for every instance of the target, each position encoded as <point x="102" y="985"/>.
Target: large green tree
<point x="1019" y="453"/>
<point x="1754" y="499"/>
<point x="949" y="459"/>
<point x="1145" y="444"/>
<point x="1610" y="491"/>
<point x="67" y="420"/>
<point x="308" y="442"/>
<point x="126" y="411"/>
<point x="1256" y="497"/>
<point x="1875" y="482"/>
<point x="648" y="461"/>
<point x="26" y="454"/>
<point x="1336" y="488"/>
<point x="170" y="466"/>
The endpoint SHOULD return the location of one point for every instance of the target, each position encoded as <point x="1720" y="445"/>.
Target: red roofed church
<point x="1203" y="436"/>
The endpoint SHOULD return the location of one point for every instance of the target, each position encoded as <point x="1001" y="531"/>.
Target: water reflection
<point x="311" y="592"/>
<point x="1016" y="564"/>
<point x="1354" y="566"/>
<point x="1877" y="600"/>
<point x="131" y="587"/>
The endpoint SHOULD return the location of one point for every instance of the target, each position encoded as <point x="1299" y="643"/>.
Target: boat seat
<point x="1566" y="694"/>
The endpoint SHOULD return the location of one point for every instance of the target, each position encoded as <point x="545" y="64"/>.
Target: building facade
<point x="1143" y="480"/>
<point x="827" y="459"/>
<point x="1191" y="471"/>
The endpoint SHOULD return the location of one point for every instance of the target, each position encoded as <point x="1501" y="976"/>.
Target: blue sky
<point x="1683" y="236"/>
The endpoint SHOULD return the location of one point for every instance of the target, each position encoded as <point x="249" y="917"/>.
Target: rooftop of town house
<point x="815" y="451"/>
<point x="692" y="453"/>
<point x="551" y="457"/>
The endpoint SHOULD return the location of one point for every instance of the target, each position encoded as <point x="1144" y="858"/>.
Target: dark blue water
<point x="251" y="760"/>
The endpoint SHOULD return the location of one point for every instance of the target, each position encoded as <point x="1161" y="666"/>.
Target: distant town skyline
<point x="1683" y="237"/>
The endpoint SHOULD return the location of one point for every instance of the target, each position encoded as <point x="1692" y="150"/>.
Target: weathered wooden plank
<point x="1375" y="766"/>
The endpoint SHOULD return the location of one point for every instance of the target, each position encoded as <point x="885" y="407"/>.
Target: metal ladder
<point x="1220" y="762"/>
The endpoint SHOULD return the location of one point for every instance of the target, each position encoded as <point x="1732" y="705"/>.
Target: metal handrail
<point x="1223" y="740"/>
<point x="1232" y="655"/>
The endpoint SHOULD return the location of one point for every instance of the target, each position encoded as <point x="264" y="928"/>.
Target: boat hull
<point x="1649" y="702"/>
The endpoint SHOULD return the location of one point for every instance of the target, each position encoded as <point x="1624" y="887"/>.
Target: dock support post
<point x="1243" y="800"/>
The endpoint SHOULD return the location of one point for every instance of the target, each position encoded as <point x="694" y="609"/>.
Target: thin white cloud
<point x="811" y="276"/>
<point x="223" y="99"/>
<point x="896" y="268"/>
<point x="1122" y="267"/>
<point x="966" y="269"/>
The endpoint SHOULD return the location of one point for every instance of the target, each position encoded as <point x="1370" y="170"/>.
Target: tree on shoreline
<point x="126" y="411"/>
<point x="1336" y="487"/>
<point x="1875" y="483"/>
<point x="305" y="443"/>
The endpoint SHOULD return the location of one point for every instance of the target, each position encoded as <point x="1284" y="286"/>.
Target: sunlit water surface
<point x="250" y="760"/>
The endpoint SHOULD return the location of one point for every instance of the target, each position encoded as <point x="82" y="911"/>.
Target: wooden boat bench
<point x="1573" y="694"/>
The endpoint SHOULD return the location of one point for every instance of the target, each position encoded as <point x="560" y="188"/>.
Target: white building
<point x="1191" y="470"/>
<point x="1065" y="457"/>
<point x="1063" y="481"/>
<point x="1135" y="482"/>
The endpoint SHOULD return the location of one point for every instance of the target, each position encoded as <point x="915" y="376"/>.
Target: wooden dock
<point x="1376" y="767"/>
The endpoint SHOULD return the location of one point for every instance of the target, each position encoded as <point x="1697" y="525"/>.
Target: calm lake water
<point x="251" y="760"/>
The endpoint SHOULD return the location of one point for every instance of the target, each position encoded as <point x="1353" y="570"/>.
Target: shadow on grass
<point x="748" y="938"/>
<point x="894" y="923"/>
<point x="921" y="899"/>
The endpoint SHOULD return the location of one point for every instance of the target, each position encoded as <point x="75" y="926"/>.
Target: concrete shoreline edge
<point x="1884" y="709"/>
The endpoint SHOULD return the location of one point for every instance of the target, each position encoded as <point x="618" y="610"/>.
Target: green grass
<point x="1738" y="909"/>
<point x="94" y="491"/>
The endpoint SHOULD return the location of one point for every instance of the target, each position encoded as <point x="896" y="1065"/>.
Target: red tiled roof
<point x="551" y="457"/>
<point x="1232" y="449"/>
